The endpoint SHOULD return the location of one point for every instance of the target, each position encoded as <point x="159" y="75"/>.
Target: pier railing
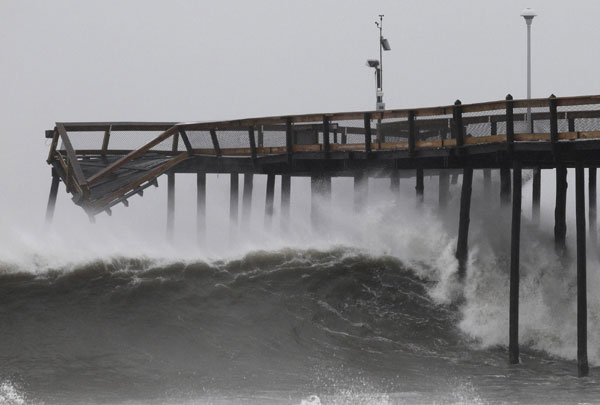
<point x="115" y="145"/>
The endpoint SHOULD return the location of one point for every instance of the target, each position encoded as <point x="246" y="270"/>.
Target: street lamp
<point x="528" y="14"/>
<point x="384" y="45"/>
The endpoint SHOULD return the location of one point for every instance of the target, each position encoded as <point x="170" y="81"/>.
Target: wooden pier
<point x="103" y="164"/>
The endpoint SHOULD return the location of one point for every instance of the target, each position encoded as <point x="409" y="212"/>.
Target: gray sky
<point x="208" y="60"/>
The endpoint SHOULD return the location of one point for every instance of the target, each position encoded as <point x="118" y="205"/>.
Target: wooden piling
<point x="560" y="221"/>
<point x="286" y="190"/>
<point x="395" y="182"/>
<point x="247" y="200"/>
<point x="420" y="187"/>
<point x="582" y="359"/>
<point x="201" y="207"/>
<point x="52" y="198"/>
<point x="234" y="199"/>
<point x="487" y="182"/>
<point x="515" y="240"/>
<point x="269" y="199"/>
<point x="505" y="186"/>
<point x="170" y="205"/>
<point x="536" y="194"/>
<point x="320" y="187"/>
<point x="361" y="184"/>
<point x="592" y="210"/>
<point x="443" y="189"/>
<point x="463" y="225"/>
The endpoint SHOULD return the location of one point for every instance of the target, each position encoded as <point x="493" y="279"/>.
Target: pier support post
<point x="504" y="186"/>
<point x="560" y="221"/>
<point x="286" y="191"/>
<point x="582" y="359"/>
<point x="361" y="184"/>
<point x="201" y="207"/>
<point x="52" y="198"/>
<point x="443" y="189"/>
<point x="269" y="198"/>
<point x="170" y="205"/>
<point x="535" y="195"/>
<point x="592" y="210"/>
<point x="420" y="187"/>
<point x="395" y="182"/>
<point x="247" y="200"/>
<point x="462" y="252"/>
<point x="320" y="187"/>
<point x="515" y="241"/>
<point x="487" y="182"/>
<point x="234" y="199"/>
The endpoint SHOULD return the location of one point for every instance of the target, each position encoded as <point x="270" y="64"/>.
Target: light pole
<point x="528" y="14"/>
<point x="384" y="45"/>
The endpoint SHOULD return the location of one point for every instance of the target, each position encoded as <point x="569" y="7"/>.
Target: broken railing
<point x="116" y="145"/>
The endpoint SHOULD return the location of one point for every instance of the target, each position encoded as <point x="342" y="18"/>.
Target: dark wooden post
<point x="270" y="197"/>
<point x="215" y="142"/>
<point x="247" y="200"/>
<point x="420" y="187"/>
<point x="411" y="133"/>
<point x="289" y="140"/>
<point x="234" y="199"/>
<point x="261" y="137"/>
<point x="560" y="221"/>
<point x="582" y="359"/>
<point x="458" y="124"/>
<point x="368" y="132"/>
<point x="201" y="207"/>
<point x="170" y="205"/>
<point x="52" y="198"/>
<point x="286" y="190"/>
<point x="326" y="135"/>
<point x="443" y="189"/>
<point x="252" y="142"/>
<point x="504" y="186"/>
<point x="592" y="210"/>
<point x="361" y="184"/>
<point x="515" y="241"/>
<point x="510" y="126"/>
<point x="553" y="124"/>
<point x="462" y="246"/>
<point x="536" y="194"/>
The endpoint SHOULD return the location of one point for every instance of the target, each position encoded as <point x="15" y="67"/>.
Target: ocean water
<point x="369" y="311"/>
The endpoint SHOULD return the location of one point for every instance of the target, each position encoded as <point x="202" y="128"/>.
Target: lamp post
<point x="528" y="14"/>
<point x="384" y="45"/>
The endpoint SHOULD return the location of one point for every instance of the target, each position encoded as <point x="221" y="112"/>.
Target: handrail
<point x="339" y="116"/>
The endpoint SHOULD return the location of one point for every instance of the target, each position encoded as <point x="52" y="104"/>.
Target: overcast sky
<point x="207" y="60"/>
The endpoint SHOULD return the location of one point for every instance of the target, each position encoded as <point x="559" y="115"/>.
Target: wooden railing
<point x="406" y="129"/>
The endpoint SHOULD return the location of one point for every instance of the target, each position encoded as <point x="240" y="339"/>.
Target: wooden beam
<point x="582" y="358"/>
<point x="72" y="156"/>
<point x="132" y="155"/>
<point x="289" y="140"/>
<point x="412" y="133"/>
<point x="186" y="142"/>
<point x="420" y="186"/>
<point x="515" y="242"/>
<point x="510" y="125"/>
<point x="553" y="125"/>
<point x="252" y="143"/>
<point x="215" y="142"/>
<point x="326" y="135"/>
<point x="105" y="140"/>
